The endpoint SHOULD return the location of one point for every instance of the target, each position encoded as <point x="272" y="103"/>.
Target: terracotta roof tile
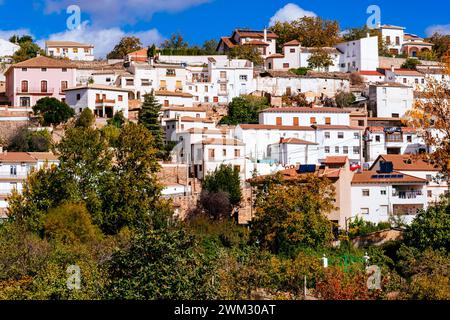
<point x="407" y="162"/>
<point x="221" y="141"/>
<point x="173" y="94"/>
<point x="296" y="141"/>
<point x="304" y="110"/>
<point x="274" y="127"/>
<point x="16" y="157"/>
<point x="44" y="62"/>
<point x="375" y="177"/>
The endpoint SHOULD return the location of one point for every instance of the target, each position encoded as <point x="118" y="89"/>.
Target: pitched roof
<point x="228" y="42"/>
<point x="336" y="127"/>
<point x="374" y="177"/>
<point x="370" y="73"/>
<point x="52" y="43"/>
<point x="407" y="72"/>
<point x="44" y="62"/>
<point x="390" y="26"/>
<point x="381" y="129"/>
<point x="292" y="174"/>
<point x="187" y="109"/>
<point x="16" y="157"/>
<point x="304" y="110"/>
<point x="335" y="160"/>
<point x="296" y="141"/>
<point x="191" y="119"/>
<point x="209" y="131"/>
<point x="43" y="156"/>
<point x="407" y="162"/>
<point x="292" y="43"/>
<point x="255" y="34"/>
<point x="173" y="94"/>
<point x="276" y="55"/>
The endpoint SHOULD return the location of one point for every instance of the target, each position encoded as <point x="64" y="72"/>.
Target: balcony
<point x="222" y="93"/>
<point x="412" y="194"/>
<point x="394" y="138"/>
<point x="222" y="80"/>
<point x="34" y="91"/>
<point x="105" y="102"/>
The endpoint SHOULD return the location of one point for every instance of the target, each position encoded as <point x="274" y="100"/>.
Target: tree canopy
<point x="124" y="47"/>
<point x="244" y="109"/>
<point x="28" y="49"/>
<point x="247" y="52"/>
<point x="52" y="111"/>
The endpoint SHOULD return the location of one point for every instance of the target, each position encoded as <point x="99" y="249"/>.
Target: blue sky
<point x="106" y="21"/>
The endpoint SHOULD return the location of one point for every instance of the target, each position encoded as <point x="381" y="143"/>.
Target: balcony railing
<point x="394" y="138"/>
<point x="222" y="93"/>
<point x="222" y="80"/>
<point x="34" y="90"/>
<point x="407" y="194"/>
<point x="103" y="101"/>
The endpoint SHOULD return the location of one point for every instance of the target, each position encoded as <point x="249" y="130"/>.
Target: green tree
<point x="310" y="31"/>
<point x="411" y="63"/>
<point x="160" y="264"/>
<point x="290" y="215"/>
<point x="117" y="120"/>
<point x="176" y="41"/>
<point x="319" y="59"/>
<point x="52" y="111"/>
<point x="86" y="119"/>
<point x="344" y="99"/>
<point x="28" y="49"/>
<point x="247" y="52"/>
<point x="69" y="223"/>
<point x="430" y="228"/>
<point x="441" y="44"/>
<point x="26" y="140"/>
<point x="149" y="118"/>
<point x="210" y="46"/>
<point x="151" y="51"/>
<point x="224" y="179"/>
<point x="244" y="109"/>
<point x="124" y="47"/>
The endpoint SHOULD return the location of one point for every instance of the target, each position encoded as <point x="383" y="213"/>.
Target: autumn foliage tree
<point x="430" y="116"/>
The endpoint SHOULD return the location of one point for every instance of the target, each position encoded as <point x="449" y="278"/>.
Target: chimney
<point x="368" y="35"/>
<point x="265" y="34"/>
<point x="392" y="68"/>
<point x="378" y="25"/>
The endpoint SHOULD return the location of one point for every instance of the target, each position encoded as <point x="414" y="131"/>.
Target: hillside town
<point x="349" y="141"/>
<point x="341" y="115"/>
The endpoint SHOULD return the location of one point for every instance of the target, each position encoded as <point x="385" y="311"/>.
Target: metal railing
<point x="407" y="194"/>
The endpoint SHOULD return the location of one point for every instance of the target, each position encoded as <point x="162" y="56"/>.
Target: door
<point x="43" y="86"/>
<point x="384" y="211"/>
<point x="295" y="121"/>
<point x="279" y="121"/>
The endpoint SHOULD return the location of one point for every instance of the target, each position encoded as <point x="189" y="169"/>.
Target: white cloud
<point x="120" y="12"/>
<point x="441" y="28"/>
<point x="104" y="40"/>
<point x="290" y="12"/>
<point x="6" y="34"/>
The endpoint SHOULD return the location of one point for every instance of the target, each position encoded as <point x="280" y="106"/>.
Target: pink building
<point x="36" y="78"/>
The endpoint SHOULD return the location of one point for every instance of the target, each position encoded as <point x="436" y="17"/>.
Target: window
<point x="108" y="79"/>
<point x="377" y="138"/>
<point x="75" y="50"/>
<point x="355" y="150"/>
<point x="345" y="150"/>
<point x="285" y="65"/>
<point x="312" y="120"/>
<point x="295" y="121"/>
<point x="206" y="88"/>
<point x="416" y="80"/>
<point x="216" y="99"/>
<point x="206" y="99"/>
<point x="429" y="177"/>
<point x="422" y="81"/>
<point x="24" y="69"/>
<point x="129" y="82"/>
<point x="211" y="154"/>
<point x="388" y="39"/>
<point x="408" y="138"/>
<point x="13" y="170"/>
<point x="78" y="96"/>
<point x="223" y="87"/>
<point x="365" y="192"/>
<point x="64" y="85"/>
<point x="25" y="102"/>
<point x="327" y="135"/>
<point x="383" y="192"/>
<point x="170" y="72"/>
<point x="166" y="103"/>
<point x="355" y="135"/>
<point x="361" y="123"/>
<point x="162" y="84"/>
<point x="120" y="98"/>
<point x="397" y="41"/>
<point x="237" y="152"/>
<point x="44" y="69"/>
<point x="292" y="50"/>
<point x="178" y="85"/>
<point x="404" y="80"/>
<point x="24" y="86"/>
<point x="86" y="50"/>
<point x="336" y="149"/>
<point x="44" y="86"/>
<point x="64" y="69"/>
<point x="395" y="115"/>
<point x="223" y="74"/>
<point x="224" y="152"/>
<point x="145" y="82"/>
<point x="384" y="90"/>
<point x="340" y="135"/>
<point x="327" y="149"/>
<point x="237" y="168"/>
<point x="364" y="210"/>
<point x="327" y="120"/>
<point x="243" y="77"/>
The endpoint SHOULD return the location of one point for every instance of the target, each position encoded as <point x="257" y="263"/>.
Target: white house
<point x="359" y="54"/>
<point x="371" y="76"/>
<point x="379" y="195"/>
<point x="179" y="98"/>
<point x="407" y="77"/>
<point x="264" y="41"/>
<point x="390" y="99"/>
<point x="304" y="116"/>
<point x="293" y="151"/>
<point x="14" y="169"/>
<point x="393" y="36"/>
<point x="173" y="126"/>
<point x="392" y="140"/>
<point x="104" y="101"/>
<point x="7" y="50"/>
<point x="173" y="112"/>
<point x="417" y="167"/>
<point x="70" y="49"/>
